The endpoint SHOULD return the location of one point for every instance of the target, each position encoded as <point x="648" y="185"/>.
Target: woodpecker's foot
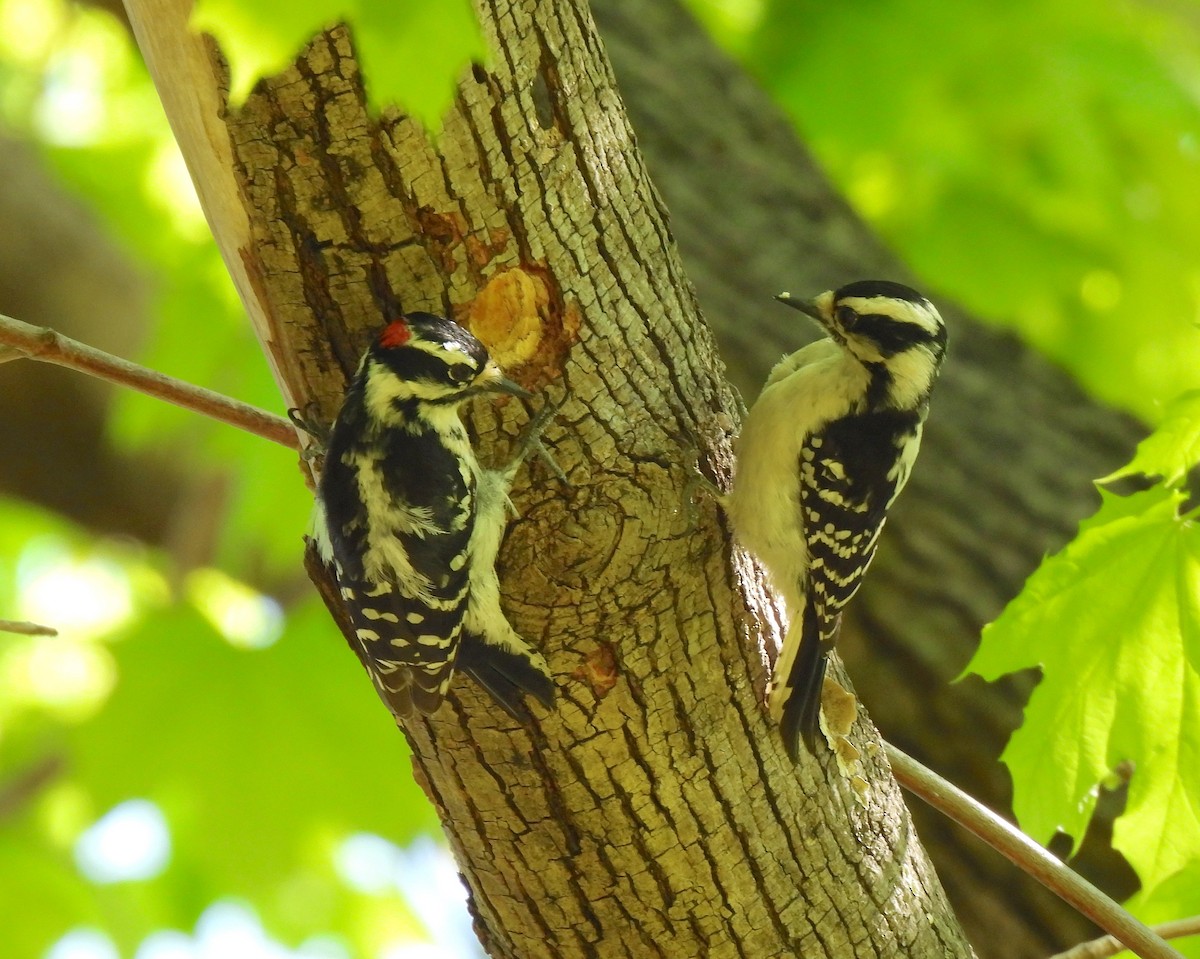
<point x="531" y="440"/>
<point x="307" y="424"/>
<point x="697" y="485"/>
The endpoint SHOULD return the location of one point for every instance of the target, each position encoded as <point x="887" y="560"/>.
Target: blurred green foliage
<point x="1035" y="160"/>
<point x="263" y="760"/>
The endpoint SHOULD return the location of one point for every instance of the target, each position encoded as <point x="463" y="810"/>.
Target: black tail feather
<point x="424" y="701"/>
<point x="426" y="687"/>
<point x="506" y="676"/>
<point x="802" y="710"/>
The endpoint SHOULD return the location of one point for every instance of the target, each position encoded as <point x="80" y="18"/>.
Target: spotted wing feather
<point x="850" y="474"/>
<point x="399" y="539"/>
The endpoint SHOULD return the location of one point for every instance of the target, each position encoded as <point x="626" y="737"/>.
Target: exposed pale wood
<point x="192" y="84"/>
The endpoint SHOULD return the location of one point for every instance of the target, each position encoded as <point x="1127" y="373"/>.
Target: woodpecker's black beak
<point x="808" y="307"/>
<point x="505" y="385"/>
<point x="820" y="309"/>
<point x="491" y="380"/>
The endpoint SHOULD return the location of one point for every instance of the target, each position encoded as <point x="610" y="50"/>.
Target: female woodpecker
<point x="823" y="453"/>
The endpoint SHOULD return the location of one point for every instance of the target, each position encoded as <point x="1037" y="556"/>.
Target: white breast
<point x="804" y="392"/>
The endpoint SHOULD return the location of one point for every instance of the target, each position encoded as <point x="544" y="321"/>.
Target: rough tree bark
<point x="1005" y="472"/>
<point x="654" y="811"/>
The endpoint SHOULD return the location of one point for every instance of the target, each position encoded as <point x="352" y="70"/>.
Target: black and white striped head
<point x="877" y="321"/>
<point x="425" y="359"/>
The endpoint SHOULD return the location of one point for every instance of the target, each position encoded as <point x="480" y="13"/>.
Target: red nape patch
<point x="396" y="333"/>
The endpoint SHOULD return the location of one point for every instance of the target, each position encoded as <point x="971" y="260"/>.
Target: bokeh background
<point x="194" y="767"/>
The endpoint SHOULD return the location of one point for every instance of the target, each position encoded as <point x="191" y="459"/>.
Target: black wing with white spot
<point x="400" y="542"/>
<point x="850" y="472"/>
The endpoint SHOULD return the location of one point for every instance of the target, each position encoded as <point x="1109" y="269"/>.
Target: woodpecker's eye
<point x="846" y="317"/>
<point x="461" y="373"/>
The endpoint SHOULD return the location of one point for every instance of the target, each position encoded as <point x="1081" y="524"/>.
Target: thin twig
<point x="26" y="629"/>
<point x="1015" y="846"/>
<point x="40" y="343"/>
<point x="1107" y="946"/>
<point x="23" y="786"/>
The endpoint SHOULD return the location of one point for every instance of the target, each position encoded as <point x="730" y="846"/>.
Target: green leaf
<point x="260" y="38"/>
<point x="1173" y="448"/>
<point x="1176" y="898"/>
<point x="1114" y="622"/>
<point x="412" y="51"/>
<point x="416" y="56"/>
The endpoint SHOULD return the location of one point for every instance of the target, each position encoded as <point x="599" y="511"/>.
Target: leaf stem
<point x="49" y="346"/>
<point x="1032" y="858"/>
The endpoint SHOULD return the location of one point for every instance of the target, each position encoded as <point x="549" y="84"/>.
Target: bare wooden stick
<point x="41" y="343"/>
<point x="1032" y="858"/>
<point x="25" y="628"/>
<point x="26" y="784"/>
<point x="1107" y="946"/>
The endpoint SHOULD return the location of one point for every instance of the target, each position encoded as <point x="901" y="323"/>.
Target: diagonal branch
<point x="19" y="339"/>
<point x="25" y="628"/>
<point x="1018" y="848"/>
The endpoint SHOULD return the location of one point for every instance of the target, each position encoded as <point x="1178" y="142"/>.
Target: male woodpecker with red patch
<point x="410" y="524"/>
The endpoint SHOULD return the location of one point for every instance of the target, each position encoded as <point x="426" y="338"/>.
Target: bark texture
<point x="1005" y="473"/>
<point x="653" y="812"/>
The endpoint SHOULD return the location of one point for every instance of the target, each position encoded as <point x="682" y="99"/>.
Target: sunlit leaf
<point x="1176" y="898"/>
<point x="1114" y="623"/>
<point x="1173" y="448"/>
<point x="413" y="51"/>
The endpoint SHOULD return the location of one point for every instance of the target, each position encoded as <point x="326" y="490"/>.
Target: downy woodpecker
<point x="823" y="453"/>
<point x="410" y="524"/>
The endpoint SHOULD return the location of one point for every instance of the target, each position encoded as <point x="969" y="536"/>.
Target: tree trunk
<point x="1006" y="468"/>
<point x="653" y="812"/>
